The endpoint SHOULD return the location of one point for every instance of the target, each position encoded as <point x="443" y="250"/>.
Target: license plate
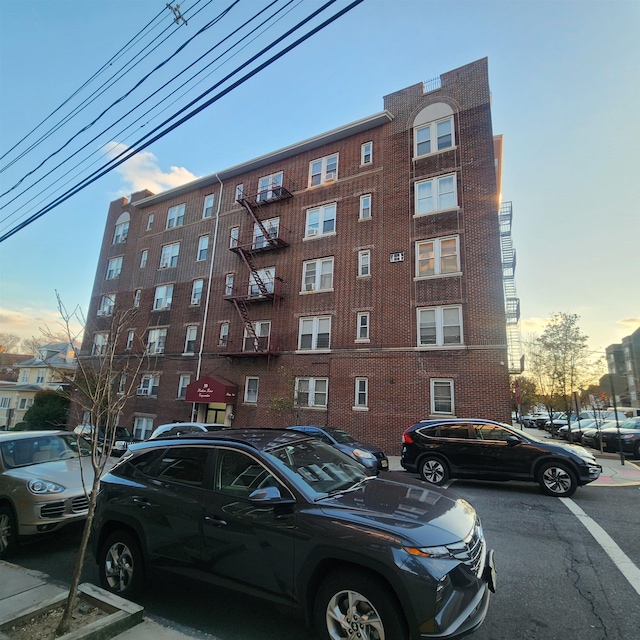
<point x="384" y="463"/>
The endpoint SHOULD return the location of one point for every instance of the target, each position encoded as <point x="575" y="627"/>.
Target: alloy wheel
<point x="119" y="567"/>
<point x="351" y="616"/>
<point x="557" y="480"/>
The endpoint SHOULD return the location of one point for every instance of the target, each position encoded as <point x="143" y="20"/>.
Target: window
<point x="323" y="170"/>
<point x="185" y="379"/>
<point x="122" y="383"/>
<point x="5" y="402"/>
<point x="239" y="475"/>
<point x="156" y="341"/>
<point x="435" y="136"/>
<point x="25" y="403"/>
<point x="24" y="376"/>
<point x="114" y="267"/>
<point x="150" y="221"/>
<point x="149" y="384"/>
<point x="190" y="339"/>
<point x="270" y="187"/>
<point x="203" y="248"/>
<point x="317" y="275"/>
<point x="163" y="296"/>
<point x="142" y="428"/>
<point x="265" y="276"/>
<point x="440" y="326"/>
<point x="175" y="216"/>
<point x="137" y="296"/>
<point x="364" y="263"/>
<point x="228" y="284"/>
<point x="169" y="255"/>
<point x="40" y="376"/>
<point x="99" y="347"/>
<point x="312" y="392"/>
<point x="251" y="390"/>
<point x="121" y="233"/>
<point x="271" y="228"/>
<point x="366" y="153"/>
<point x="365" y="207"/>
<point x="436" y="194"/>
<point x="442" y="396"/>
<point x="223" y="339"/>
<point x="183" y="466"/>
<point x="321" y="221"/>
<point x="361" y="393"/>
<point x="107" y="302"/>
<point x="239" y="192"/>
<point x="234" y="235"/>
<point x="262" y="330"/>
<point x="144" y="256"/>
<point x="130" y="338"/>
<point x="491" y="432"/>
<point x="363" y="326"/>
<point x="315" y="333"/>
<point x="196" y="292"/>
<point x="437" y="257"/>
<point x="207" y="209"/>
<point x="457" y="431"/>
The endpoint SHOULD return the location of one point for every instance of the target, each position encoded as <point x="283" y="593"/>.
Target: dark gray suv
<point x="281" y="515"/>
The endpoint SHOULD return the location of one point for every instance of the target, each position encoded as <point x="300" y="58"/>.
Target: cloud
<point x="633" y="323"/>
<point x="533" y="324"/>
<point x="142" y="171"/>
<point x="32" y="323"/>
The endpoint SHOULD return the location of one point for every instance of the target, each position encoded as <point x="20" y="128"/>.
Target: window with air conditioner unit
<point x="321" y="220"/>
<point x="317" y="275"/>
<point x="148" y="385"/>
<point x="169" y="255"/>
<point x="323" y="170"/>
<point x="163" y="297"/>
<point x="156" y="341"/>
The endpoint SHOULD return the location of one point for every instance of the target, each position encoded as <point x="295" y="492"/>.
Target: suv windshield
<point x="23" y="452"/>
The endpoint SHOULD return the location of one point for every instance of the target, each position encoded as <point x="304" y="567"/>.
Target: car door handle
<point x="215" y="521"/>
<point x="141" y="502"/>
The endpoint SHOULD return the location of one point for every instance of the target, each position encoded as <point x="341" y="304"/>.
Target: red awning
<point x="211" y="389"/>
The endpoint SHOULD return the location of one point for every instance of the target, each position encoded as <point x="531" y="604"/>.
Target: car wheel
<point x="356" y="604"/>
<point x="8" y="532"/>
<point x="120" y="564"/>
<point x="556" y="479"/>
<point x="433" y="470"/>
<point x="636" y="451"/>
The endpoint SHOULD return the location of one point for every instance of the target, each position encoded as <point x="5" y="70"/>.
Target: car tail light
<point x="406" y="436"/>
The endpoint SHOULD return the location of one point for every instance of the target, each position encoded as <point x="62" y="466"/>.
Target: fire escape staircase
<point x="511" y="300"/>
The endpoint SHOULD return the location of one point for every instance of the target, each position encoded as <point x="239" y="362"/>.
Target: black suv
<point x="281" y="515"/>
<point x="486" y="450"/>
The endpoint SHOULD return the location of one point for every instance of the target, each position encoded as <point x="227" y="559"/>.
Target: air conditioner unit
<point x="309" y="286"/>
<point x="398" y="256"/>
<point x="331" y="175"/>
<point x="312" y="232"/>
<point x="142" y="392"/>
<point x="195" y="301"/>
<point x="163" y="266"/>
<point x="159" y="350"/>
<point x="101" y="312"/>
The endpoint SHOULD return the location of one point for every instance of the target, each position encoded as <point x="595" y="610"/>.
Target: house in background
<point x="52" y="368"/>
<point x="623" y="359"/>
<point x="362" y="278"/>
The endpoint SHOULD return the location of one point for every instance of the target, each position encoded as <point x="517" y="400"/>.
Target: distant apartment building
<point x="356" y="279"/>
<point x="623" y="359"/>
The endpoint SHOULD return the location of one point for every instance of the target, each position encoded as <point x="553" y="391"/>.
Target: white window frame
<point x="207" y="207"/>
<point x="142" y="427"/>
<point x="100" y="343"/>
<point x="239" y="191"/>
<point x="309" y="387"/>
<point x="441" y="383"/>
<point x="156" y="340"/>
<point x="223" y="337"/>
<point x="114" y="268"/>
<point x="269" y="186"/>
<point x="429" y="204"/>
<point x="121" y="232"/>
<point x="313" y="273"/>
<point x="439" y="257"/>
<point x="267" y="276"/>
<point x="323" y="170"/>
<point x="107" y="303"/>
<point x="363" y="326"/>
<point x="131" y="335"/>
<point x="361" y="394"/>
<point x="315" y="327"/>
<point x="251" y="389"/>
<point x="203" y="248"/>
<point x="438" y="314"/>
<point x="40" y="376"/>
<point x="190" y="339"/>
<point x="197" y="289"/>
<point x="5" y="402"/>
<point x="365" y="207"/>
<point x="150" y="382"/>
<point x="364" y="263"/>
<point x="366" y="153"/>
<point x="183" y="383"/>
<point x="25" y="403"/>
<point x="234" y="237"/>
<point x="271" y="226"/>
<point x="144" y="257"/>
<point x="175" y="216"/>
<point x="163" y="297"/>
<point x="262" y="329"/>
<point x="137" y="297"/>
<point x="433" y="132"/>
<point x="150" y="220"/>
<point x="321" y="221"/>
<point x="169" y="255"/>
<point x="228" y="284"/>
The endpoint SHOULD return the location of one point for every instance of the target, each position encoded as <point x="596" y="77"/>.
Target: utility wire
<point x="124" y="156"/>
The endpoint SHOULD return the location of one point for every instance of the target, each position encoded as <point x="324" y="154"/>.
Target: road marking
<point x="619" y="557"/>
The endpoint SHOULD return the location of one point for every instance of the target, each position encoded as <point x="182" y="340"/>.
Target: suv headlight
<point x="359" y="453"/>
<point x="42" y="487"/>
<point x="429" y="552"/>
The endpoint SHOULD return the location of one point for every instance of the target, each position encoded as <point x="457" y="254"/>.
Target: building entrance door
<point x="216" y="413"/>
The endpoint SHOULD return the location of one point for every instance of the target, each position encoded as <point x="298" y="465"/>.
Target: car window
<point x="340" y="436"/>
<point x="239" y="474"/>
<point x="491" y="432"/>
<point x="184" y="465"/>
<point x="454" y="431"/>
<point x="27" y="451"/>
<point x="143" y="464"/>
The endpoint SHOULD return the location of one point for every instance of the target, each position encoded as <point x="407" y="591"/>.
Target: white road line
<point x="619" y="557"/>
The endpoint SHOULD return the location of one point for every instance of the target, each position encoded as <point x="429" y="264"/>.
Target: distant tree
<point x="528" y="393"/>
<point x="285" y="404"/>
<point x="49" y="410"/>
<point x="9" y="343"/>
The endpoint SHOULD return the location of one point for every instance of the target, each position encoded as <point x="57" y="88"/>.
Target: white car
<point x="180" y="428"/>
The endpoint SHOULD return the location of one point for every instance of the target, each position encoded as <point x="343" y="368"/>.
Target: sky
<point x="564" y="78"/>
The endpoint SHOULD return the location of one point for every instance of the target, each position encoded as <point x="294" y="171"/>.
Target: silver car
<point x="45" y="477"/>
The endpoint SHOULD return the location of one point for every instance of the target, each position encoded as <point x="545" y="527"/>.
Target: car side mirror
<point x="513" y="440"/>
<point x="269" y="495"/>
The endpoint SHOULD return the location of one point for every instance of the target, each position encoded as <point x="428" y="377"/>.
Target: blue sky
<point x="564" y="81"/>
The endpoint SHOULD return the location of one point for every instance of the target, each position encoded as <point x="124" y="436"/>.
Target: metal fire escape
<point x="511" y="300"/>
<point x="262" y="285"/>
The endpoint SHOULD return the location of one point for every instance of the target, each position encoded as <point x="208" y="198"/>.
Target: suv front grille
<point x="470" y="551"/>
<point x="58" y="509"/>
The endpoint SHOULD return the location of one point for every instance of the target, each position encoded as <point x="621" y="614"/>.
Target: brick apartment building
<point x="356" y="276"/>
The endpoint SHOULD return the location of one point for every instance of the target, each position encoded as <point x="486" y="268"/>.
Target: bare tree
<point x="286" y="405"/>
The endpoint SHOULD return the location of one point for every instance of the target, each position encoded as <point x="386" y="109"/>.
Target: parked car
<point x="541" y="419"/>
<point x="370" y="455"/>
<point x="277" y="514"/>
<point x="182" y="428"/>
<point x="577" y="427"/>
<point x="591" y="435"/>
<point x="486" y="450"/>
<point x="628" y="435"/>
<point x="122" y="436"/>
<point x="41" y="486"/>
